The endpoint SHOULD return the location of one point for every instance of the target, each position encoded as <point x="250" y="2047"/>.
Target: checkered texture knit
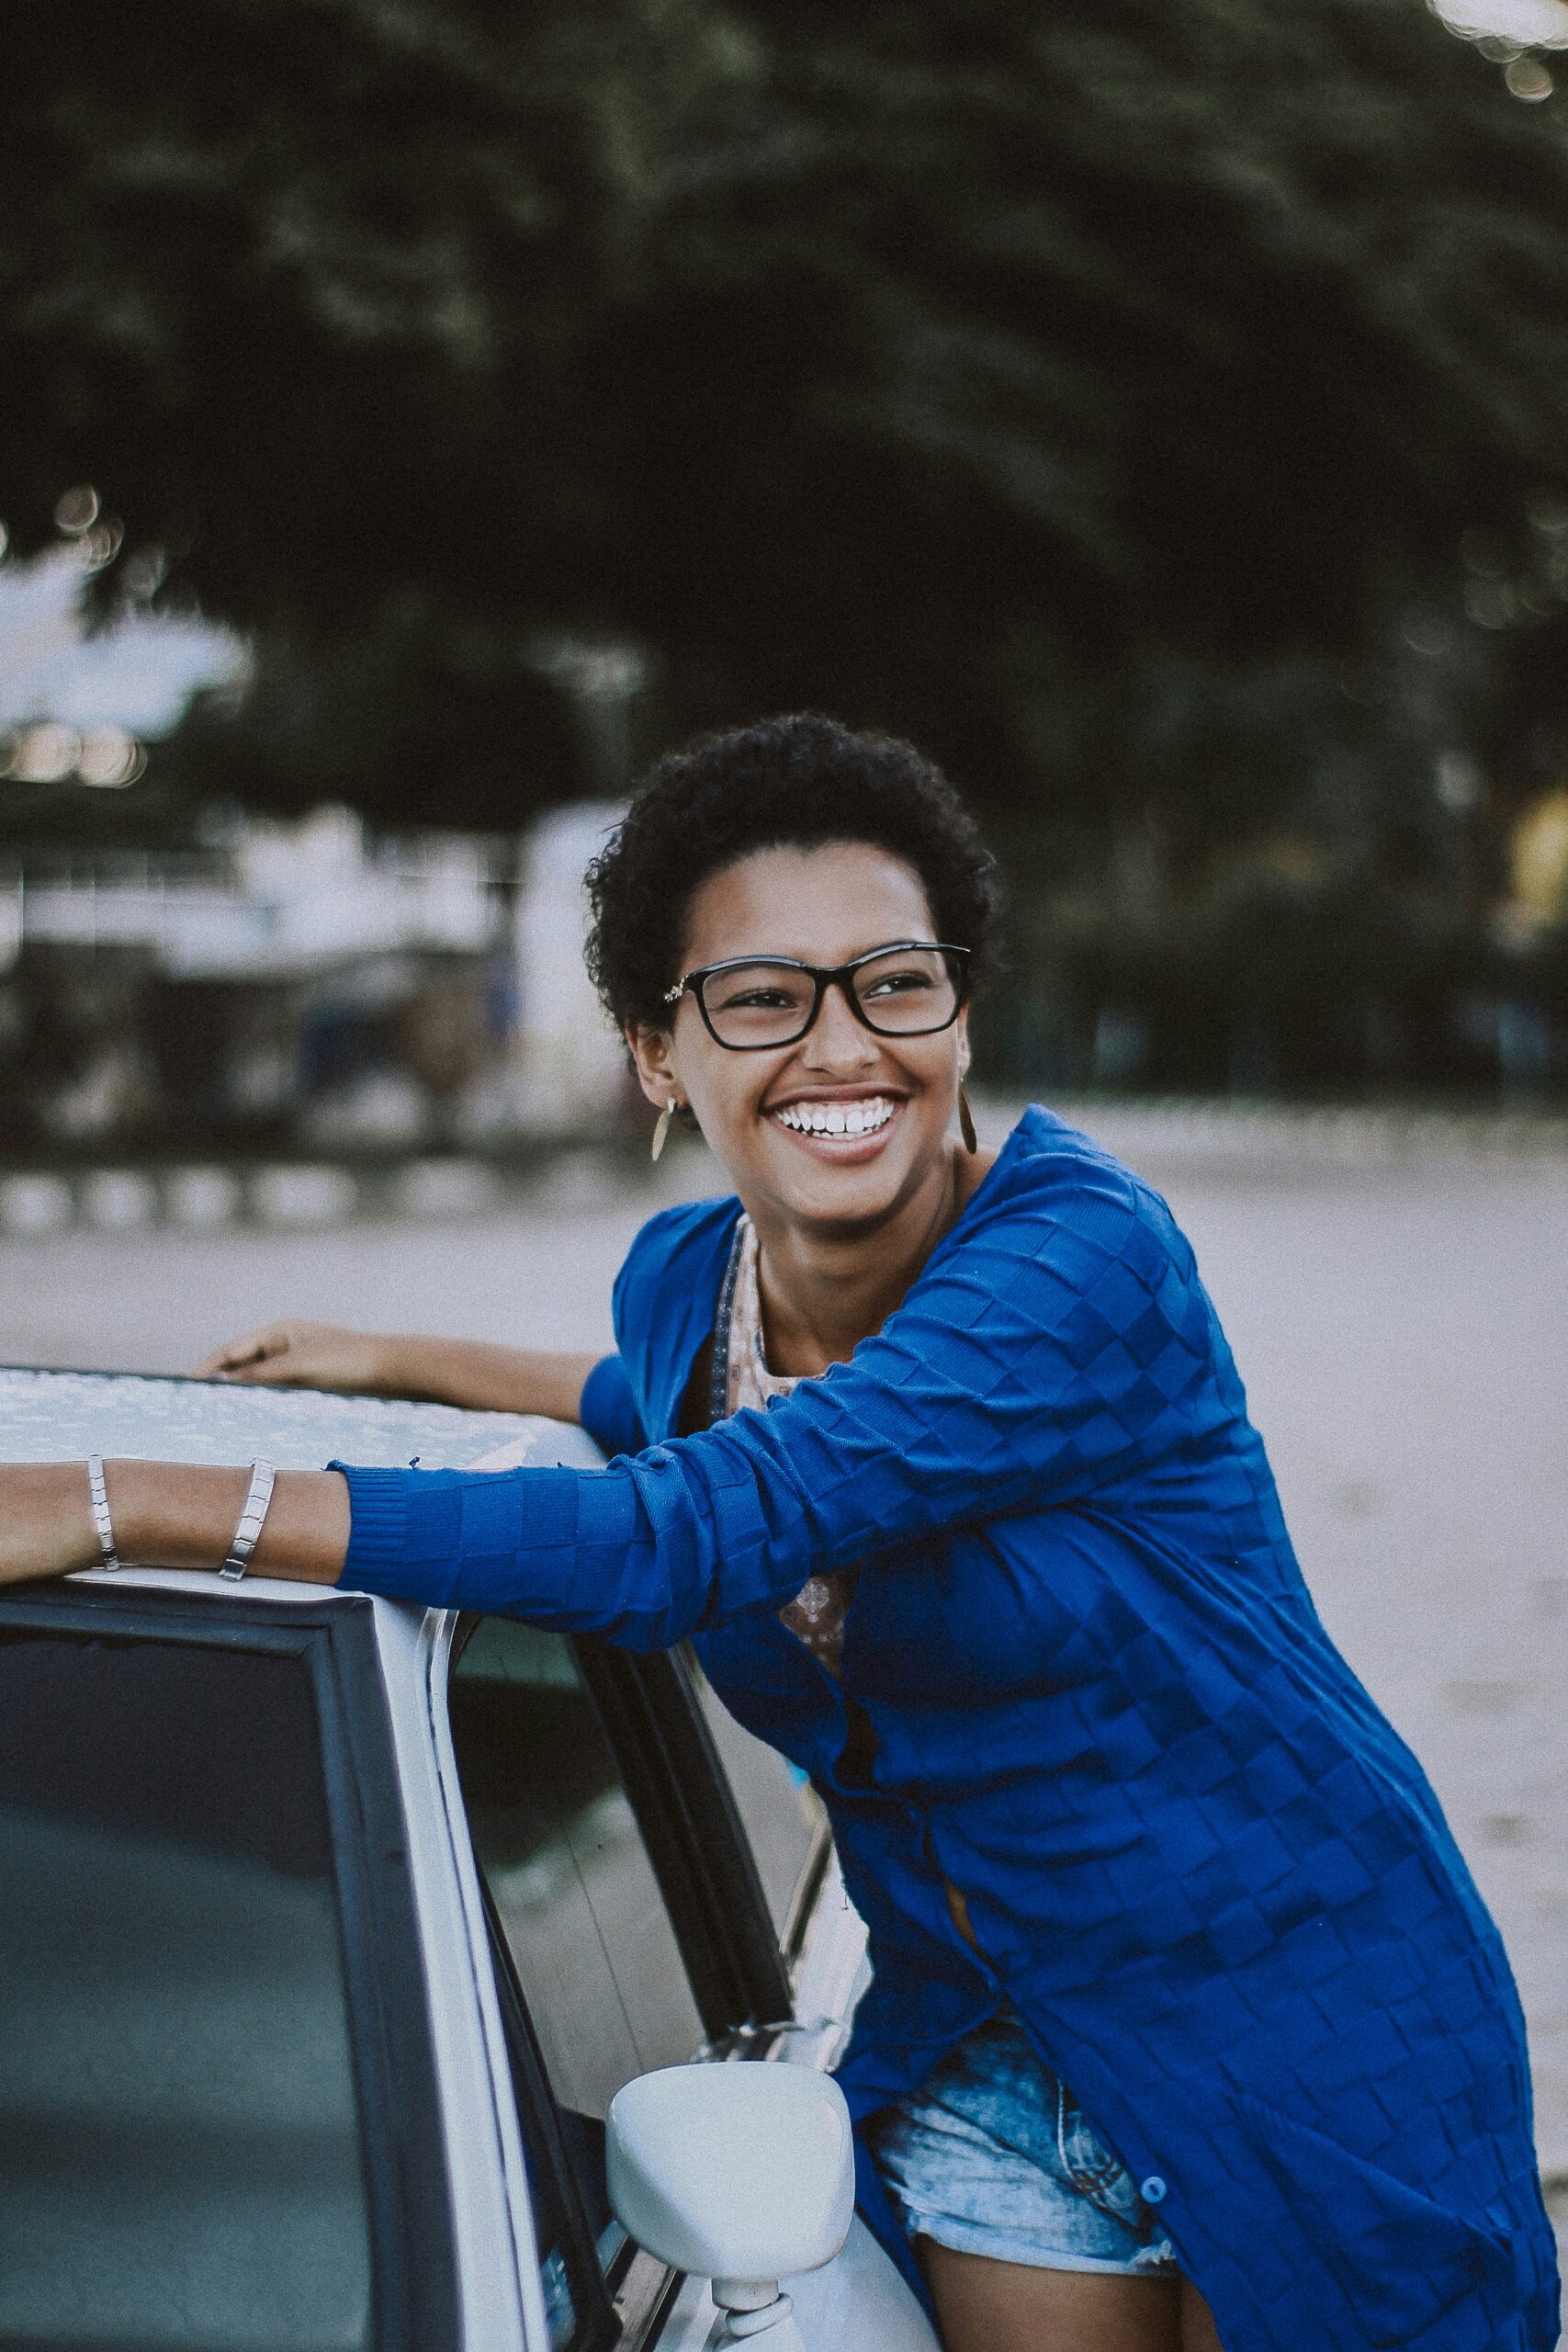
<point x="1211" y="1879"/>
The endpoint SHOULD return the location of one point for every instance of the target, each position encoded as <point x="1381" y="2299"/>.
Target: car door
<point x="647" y="1905"/>
<point x="661" y="1885"/>
<point x="147" y="1962"/>
<point x="596" y="1986"/>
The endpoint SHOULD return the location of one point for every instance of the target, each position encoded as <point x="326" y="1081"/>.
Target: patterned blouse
<point x="815" y="1615"/>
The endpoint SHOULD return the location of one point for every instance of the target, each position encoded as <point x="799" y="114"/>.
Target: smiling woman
<point x="838" y="1126"/>
<point x="1187" y="2025"/>
<point x="812" y="905"/>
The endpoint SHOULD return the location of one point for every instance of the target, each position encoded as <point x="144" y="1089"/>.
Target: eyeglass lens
<point x="905" y="993"/>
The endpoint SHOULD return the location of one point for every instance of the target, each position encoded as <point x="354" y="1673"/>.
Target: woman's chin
<point x="831" y="1178"/>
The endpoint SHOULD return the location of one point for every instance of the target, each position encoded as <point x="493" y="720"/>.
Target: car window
<point x="571" y="1882"/>
<point x="181" y="2159"/>
<point x="784" y="1819"/>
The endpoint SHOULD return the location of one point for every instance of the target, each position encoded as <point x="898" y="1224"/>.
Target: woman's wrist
<point x="62" y="1490"/>
<point x="173" y="1515"/>
<point x="391" y="1369"/>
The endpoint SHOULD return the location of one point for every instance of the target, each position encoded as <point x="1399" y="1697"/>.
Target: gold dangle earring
<point x="661" y="1132"/>
<point x="965" y="1122"/>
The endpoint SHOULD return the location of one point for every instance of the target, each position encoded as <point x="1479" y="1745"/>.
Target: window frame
<point x="788" y="1943"/>
<point x="740" y="1972"/>
<point x="675" y="1783"/>
<point x="679" y="1791"/>
<point x="543" y="2141"/>
<point x="413" y="2269"/>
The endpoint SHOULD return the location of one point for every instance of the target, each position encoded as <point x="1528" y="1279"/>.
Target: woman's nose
<point x="837" y="1040"/>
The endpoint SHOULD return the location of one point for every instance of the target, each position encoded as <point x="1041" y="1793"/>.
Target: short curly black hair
<point x="792" y="783"/>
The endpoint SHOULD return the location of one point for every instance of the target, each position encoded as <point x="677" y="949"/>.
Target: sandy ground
<point x="1400" y="1314"/>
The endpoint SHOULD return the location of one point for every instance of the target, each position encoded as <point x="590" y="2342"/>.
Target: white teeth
<point x="837" y="1118"/>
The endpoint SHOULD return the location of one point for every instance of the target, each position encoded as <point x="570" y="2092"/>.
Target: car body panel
<point x="856" y="2303"/>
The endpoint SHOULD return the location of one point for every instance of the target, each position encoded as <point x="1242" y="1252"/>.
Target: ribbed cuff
<point x="378" y="1542"/>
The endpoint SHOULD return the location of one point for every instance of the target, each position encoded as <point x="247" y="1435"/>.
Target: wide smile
<point x="843" y="1129"/>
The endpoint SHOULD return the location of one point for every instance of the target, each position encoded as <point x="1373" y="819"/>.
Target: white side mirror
<point x="741" y="2173"/>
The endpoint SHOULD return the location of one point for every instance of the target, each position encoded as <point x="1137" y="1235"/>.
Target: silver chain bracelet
<point x="108" y="1557"/>
<point x="253" y="1518"/>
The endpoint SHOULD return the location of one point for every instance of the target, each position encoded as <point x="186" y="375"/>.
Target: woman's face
<point x="823" y="906"/>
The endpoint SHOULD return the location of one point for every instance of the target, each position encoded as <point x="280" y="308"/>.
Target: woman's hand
<point x="298" y="1354"/>
<point x="46" y="1521"/>
<point x="475" y="1373"/>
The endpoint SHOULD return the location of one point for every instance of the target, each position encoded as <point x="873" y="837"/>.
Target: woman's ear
<point x="650" y="1053"/>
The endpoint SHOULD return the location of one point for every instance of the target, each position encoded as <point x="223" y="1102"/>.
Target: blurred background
<point x="421" y="413"/>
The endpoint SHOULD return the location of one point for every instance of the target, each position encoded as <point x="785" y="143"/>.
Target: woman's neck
<point x="823" y="1293"/>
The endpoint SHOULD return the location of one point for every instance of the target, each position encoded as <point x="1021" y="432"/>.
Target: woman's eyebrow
<point x="821" y="964"/>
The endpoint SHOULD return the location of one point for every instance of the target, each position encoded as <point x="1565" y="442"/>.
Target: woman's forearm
<point x="169" y="1515"/>
<point x="487" y="1377"/>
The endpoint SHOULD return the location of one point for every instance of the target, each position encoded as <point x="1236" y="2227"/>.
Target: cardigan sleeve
<point x="1043" y="1355"/>
<point x="608" y="1408"/>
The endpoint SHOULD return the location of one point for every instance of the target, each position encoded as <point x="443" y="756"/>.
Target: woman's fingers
<point x="243" y="1355"/>
<point x="270" y="1372"/>
<point x="298" y="1354"/>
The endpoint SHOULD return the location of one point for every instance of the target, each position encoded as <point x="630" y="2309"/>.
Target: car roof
<point x="50" y="1416"/>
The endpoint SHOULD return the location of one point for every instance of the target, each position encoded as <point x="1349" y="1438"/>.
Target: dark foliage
<point x="1093" y="393"/>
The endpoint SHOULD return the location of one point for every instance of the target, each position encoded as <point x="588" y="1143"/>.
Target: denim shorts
<point x="992" y="2155"/>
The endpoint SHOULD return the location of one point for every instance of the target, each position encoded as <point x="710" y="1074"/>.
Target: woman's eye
<point x="757" y="1001"/>
<point x="896" y="984"/>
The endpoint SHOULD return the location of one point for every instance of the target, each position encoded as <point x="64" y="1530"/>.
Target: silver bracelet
<point x="253" y="1518"/>
<point x="108" y="1557"/>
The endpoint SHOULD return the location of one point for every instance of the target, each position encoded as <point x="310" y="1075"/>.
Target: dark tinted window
<point x="575" y="1891"/>
<point x="180" y="2158"/>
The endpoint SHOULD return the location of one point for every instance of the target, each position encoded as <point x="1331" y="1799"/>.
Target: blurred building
<point x="306" y="983"/>
<point x="571" y="1067"/>
<point x="297" y="981"/>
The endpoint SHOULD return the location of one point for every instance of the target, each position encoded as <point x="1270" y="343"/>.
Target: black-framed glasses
<point x="910" y="989"/>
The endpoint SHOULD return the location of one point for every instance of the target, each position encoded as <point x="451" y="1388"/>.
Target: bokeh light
<point x="105" y="757"/>
<point x="97" y="546"/>
<point x="46" y="753"/>
<point x="78" y="510"/>
<point x="109" y="758"/>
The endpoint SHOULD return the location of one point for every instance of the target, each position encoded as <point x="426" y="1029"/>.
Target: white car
<point x="330" y="1927"/>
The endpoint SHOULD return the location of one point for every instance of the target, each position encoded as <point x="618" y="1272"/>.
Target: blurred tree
<point x="1096" y="393"/>
<point x="301" y="287"/>
<point x="1050" y="381"/>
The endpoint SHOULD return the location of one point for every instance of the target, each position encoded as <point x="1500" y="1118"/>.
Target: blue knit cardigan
<point x="1214" y="1882"/>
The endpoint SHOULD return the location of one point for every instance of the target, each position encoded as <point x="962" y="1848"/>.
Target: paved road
<point x="1399" y="1312"/>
